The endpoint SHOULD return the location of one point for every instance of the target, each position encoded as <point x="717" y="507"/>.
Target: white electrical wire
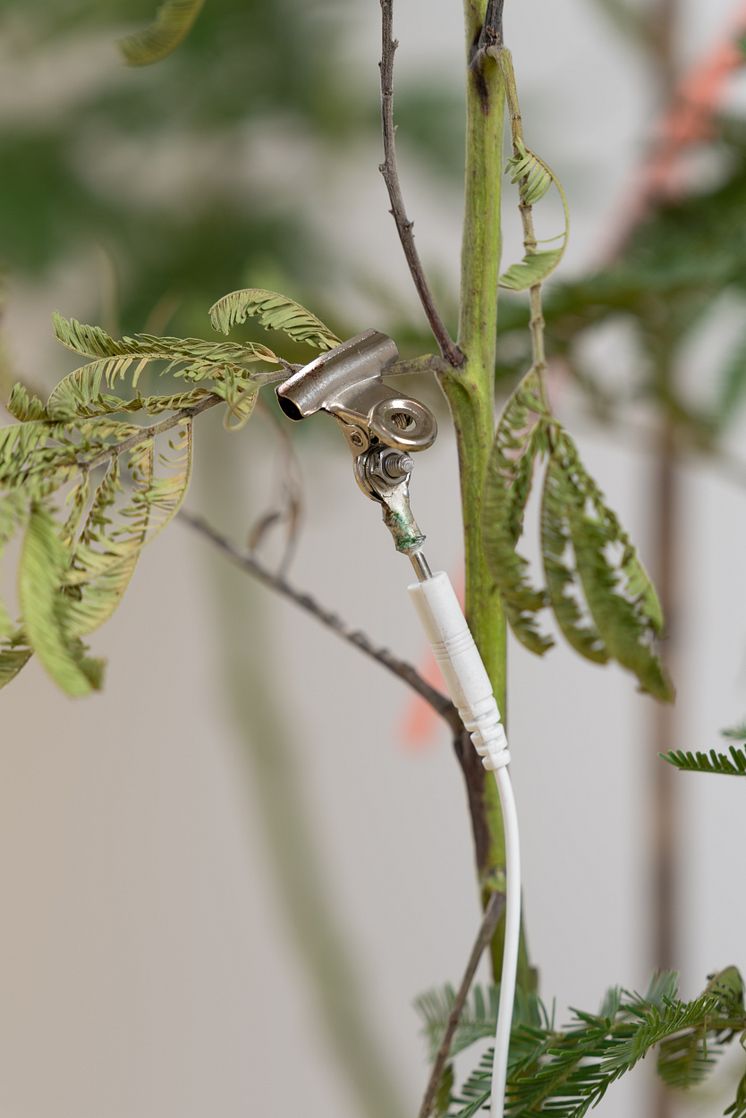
<point x="511" y="944"/>
<point x="471" y="691"/>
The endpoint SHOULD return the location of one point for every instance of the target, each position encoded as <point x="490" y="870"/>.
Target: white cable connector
<point x="463" y="671"/>
<point x="471" y="692"/>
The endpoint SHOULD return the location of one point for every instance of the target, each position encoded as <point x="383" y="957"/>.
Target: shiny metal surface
<point x="381" y="426"/>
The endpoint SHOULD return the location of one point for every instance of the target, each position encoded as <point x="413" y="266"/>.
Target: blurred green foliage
<point x="97" y="168"/>
<point x="672" y="276"/>
<point x="243" y="63"/>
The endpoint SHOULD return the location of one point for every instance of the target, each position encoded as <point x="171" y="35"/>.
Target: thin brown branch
<point x="490" y="37"/>
<point x="389" y="170"/>
<point x="492" y="914"/>
<point x="150" y="432"/>
<point x="277" y="582"/>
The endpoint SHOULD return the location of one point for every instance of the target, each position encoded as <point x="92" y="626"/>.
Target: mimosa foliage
<point x="594" y="583"/>
<point x="596" y="586"/>
<point x="566" y="1072"/>
<point x="274" y="312"/>
<point x="87" y="486"/>
<point x="732" y="763"/>
<point x="534" y="178"/>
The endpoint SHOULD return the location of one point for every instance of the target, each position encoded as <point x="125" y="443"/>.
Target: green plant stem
<point x="470" y="393"/>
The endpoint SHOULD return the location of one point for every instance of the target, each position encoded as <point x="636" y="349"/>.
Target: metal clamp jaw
<point x="381" y="427"/>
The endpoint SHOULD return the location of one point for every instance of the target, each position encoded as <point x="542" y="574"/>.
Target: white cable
<point x="471" y="691"/>
<point x="512" y="942"/>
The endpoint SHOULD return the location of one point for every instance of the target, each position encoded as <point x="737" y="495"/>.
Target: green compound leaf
<point x="92" y="489"/>
<point x="534" y="178"/>
<point x="92" y="341"/>
<point x="478" y="1017"/>
<point x="24" y="406"/>
<point x="274" y="312"/>
<point x="686" y="1060"/>
<point x="532" y="270"/>
<point x="520" y="440"/>
<point x="120" y="523"/>
<point x="44" y="563"/>
<point x="737" y="1108"/>
<point x="600" y="594"/>
<point x="72" y="578"/>
<point x="732" y="763"/>
<point x="621" y="599"/>
<point x="27" y="450"/>
<point x="567" y="1072"/>
<point x="83" y="392"/>
<point x="13" y="512"/>
<point x="241" y="400"/>
<point x="172" y="24"/>
<point x="105" y="559"/>
<point x="559" y="567"/>
<point x="14" y="653"/>
<point x="12" y="660"/>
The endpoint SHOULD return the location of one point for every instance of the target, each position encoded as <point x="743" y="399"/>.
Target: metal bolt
<point x="397" y="466"/>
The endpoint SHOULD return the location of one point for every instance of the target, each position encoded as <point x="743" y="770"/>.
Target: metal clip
<point x="380" y="426"/>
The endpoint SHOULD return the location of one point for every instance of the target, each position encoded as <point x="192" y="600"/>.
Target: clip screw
<point x="386" y="467"/>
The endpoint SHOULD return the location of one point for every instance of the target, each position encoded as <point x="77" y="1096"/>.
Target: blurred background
<point x="225" y="879"/>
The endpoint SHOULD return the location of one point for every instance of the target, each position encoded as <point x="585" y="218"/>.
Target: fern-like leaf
<point x="173" y="22"/>
<point x="559" y="568"/>
<point x="566" y="1073"/>
<point x="241" y="400"/>
<point x="737" y="1109"/>
<point x="732" y="763"/>
<point x="532" y="270"/>
<point x="534" y="178"/>
<point x="83" y="392"/>
<point x="520" y="440"/>
<point x="478" y="1017"/>
<point x="620" y="597"/>
<point x="30" y="453"/>
<point x="44" y="562"/>
<point x="24" y="406"/>
<point x="84" y="532"/>
<point x="92" y="341"/>
<point x="274" y="312"/>
<point x="12" y="660"/>
<point x="13" y="511"/>
<point x="113" y="536"/>
<point x="599" y="591"/>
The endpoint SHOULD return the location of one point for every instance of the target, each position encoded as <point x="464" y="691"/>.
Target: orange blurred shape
<point x="419" y="722"/>
<point x="698" y="97"/>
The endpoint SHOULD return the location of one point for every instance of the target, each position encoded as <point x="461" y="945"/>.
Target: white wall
<point x="146" y="966"/>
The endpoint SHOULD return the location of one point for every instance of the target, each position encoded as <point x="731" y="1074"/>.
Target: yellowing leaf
<point x="173" y="22"/>
<point x="274" y="312"/>
<point x="44" y="562"/>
